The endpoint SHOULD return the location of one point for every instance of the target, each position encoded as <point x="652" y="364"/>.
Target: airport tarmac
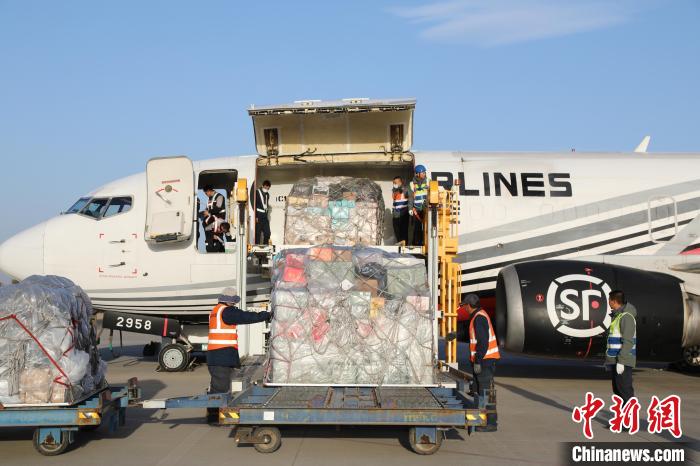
<point x="535" y="399"/>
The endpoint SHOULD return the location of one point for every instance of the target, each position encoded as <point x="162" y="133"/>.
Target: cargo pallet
<point x="258" y="411"/>
<point x="55" y="425"/>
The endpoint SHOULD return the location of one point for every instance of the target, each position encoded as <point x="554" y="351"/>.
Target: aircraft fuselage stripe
<point x="574" y="233"/>
<point x="569" y="250"/>
<point x="497" y="267"/>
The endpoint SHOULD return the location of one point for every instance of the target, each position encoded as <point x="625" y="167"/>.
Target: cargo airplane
<point x="544" y="236"/>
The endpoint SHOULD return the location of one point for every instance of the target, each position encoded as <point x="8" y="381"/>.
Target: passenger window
<point x="95" y="207"/>
<point x="78" y="206"/>
<point x="118" y="205"/>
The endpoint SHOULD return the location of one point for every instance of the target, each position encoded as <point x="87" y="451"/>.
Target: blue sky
<point x="90" y="90"/>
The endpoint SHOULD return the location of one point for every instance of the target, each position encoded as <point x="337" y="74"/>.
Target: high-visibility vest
<point x="221" y="335"/>
<point x="262" y="205"/>
<point x="217" y="224"/>
<point x="400" y="200"/>
<point x="213" y="208"/>
<point x="420" y="193"/>
<point x="492" y="351"/>
<point x="615" y="336"/>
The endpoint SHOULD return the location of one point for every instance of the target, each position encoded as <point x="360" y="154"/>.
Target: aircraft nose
<point x="23" y="254"/>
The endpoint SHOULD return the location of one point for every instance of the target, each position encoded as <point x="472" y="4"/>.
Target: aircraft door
<point x="662" y="217"/>
<point x="118" y="254"/>
<point x="170" y="201"/>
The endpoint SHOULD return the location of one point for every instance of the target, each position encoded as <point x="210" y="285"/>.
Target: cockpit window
<point x="95" y="207"/>
<point x="78" y="206"/>
<point x="118" y="205"/>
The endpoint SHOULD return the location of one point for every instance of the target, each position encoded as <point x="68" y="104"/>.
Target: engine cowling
<point x="559" y="308"/>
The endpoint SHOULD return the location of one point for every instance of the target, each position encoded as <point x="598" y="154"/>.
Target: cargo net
<point x="350" y="316"/>
<point x="48" y="350"/>
<point x="334" y="210"/>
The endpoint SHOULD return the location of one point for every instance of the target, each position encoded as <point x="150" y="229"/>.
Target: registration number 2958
<point x="141" y="324"/>
<point x="135" y="323"/>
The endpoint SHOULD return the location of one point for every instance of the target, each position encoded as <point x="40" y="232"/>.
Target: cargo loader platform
<point x="258" y="411"/>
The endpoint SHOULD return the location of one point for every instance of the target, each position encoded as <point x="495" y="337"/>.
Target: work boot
<point x="212" y="415"/>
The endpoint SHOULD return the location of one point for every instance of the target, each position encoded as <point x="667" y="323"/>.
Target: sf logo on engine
<point x="577" y="305"/>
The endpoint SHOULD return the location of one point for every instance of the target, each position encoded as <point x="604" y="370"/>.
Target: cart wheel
<point x="424" y="448"/>
<point x="173" y="357"/>
<point x="272" y="437"/>
<point x="51" y="449"/>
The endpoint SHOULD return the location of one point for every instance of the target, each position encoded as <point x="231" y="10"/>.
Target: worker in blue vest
<point x="621" y="351"/>
<point x="399" y="211"/>
<point x="417" y="199"/>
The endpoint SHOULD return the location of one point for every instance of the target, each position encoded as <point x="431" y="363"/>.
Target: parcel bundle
<point x="334" y="210"/>
<point x="48" y="350"/>
<point x="350" y="316"/>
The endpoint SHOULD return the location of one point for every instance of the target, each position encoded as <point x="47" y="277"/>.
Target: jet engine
<point x="559" y="308"/>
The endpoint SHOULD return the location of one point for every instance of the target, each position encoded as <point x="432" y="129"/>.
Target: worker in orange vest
<point x="222" y="347"/>
<point x="483" y="354"/>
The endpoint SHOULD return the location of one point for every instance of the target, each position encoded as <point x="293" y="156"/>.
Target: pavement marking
<point x="192" y="439"/>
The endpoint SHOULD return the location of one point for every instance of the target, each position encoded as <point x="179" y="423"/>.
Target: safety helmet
<point x="420" y="169"/>
<point x="229" y="295"/>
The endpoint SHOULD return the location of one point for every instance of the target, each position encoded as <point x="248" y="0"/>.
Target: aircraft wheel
<point x="173" y="357"/>
<point x="691" y="356"/>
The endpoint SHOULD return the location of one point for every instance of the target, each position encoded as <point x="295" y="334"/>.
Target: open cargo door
<point x="348" y="126"/>
<point x="170" y="202"/>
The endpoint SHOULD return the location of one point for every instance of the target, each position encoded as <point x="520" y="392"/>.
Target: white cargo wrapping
<point x="334" y="210"/>
<point x="350" y="316"/>
<point x="48" y="350"/>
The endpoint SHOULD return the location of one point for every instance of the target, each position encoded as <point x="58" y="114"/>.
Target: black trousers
<point x="262" y="228"/>
<point x="220" y="383"/>
<point x="209" y="240"/>
<point x="417" y="230"/>
<point x="622" y="383"/>
<point x="484" y="381"/>
<point x="220" y="379"/>
<point x="401" y="227"/>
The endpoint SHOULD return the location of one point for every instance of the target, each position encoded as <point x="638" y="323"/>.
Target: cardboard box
<point x="370" y="285"/>
<point x="321" y="254"/>
<point x="58" y="394"/>
<point x="319" y="200"/>
<point x="35" y="385"/>
<point x="297" y="201"/>
<point x="376" y="306"/>
<point x="344" y="255"/>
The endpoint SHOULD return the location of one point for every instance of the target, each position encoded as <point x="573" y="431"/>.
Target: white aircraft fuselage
<point x="640" y="208"/>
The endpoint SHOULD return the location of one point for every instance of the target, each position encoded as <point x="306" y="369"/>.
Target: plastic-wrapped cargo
<point x="350" y="316"/>
<point x="48" y="350"/>
<point x="334" y="210"/>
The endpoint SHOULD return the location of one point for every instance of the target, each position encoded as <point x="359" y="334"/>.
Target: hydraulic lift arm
<point x="442" y="240"/>
<point x="241" y="195"/>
